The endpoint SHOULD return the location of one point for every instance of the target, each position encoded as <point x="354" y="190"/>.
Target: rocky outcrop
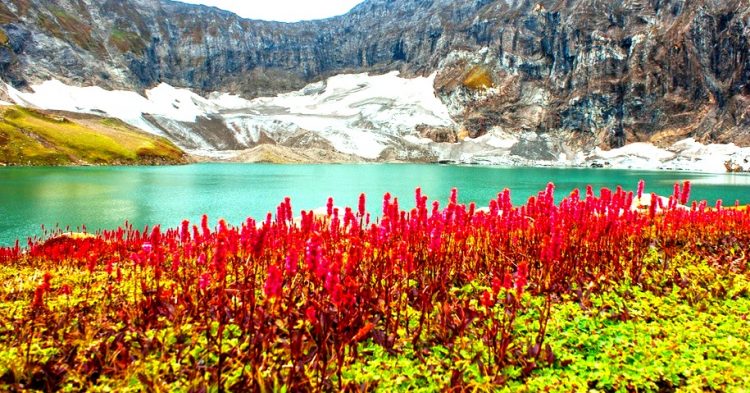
<point x="437" y="134"/>
<point x="138" y="43"/>
<point x="276" y="154"/>
<point x="574" y="74"/>
<point x="609" y="73"/>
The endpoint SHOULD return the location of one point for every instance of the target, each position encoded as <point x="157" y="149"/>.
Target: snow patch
<point x="358" y="113"/>
<point x="687" y="154"/>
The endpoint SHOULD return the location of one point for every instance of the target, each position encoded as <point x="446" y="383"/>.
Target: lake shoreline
<point x="197" y="160"/>
<point x="105" y="197"/>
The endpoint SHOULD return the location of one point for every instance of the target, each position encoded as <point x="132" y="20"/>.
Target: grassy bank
<point x="31" y="137"/>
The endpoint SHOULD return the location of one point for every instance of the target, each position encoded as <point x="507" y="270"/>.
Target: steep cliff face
<point x="608" y="73"/>
<point x="138" y="43"/>
<point x="555" y="76"/>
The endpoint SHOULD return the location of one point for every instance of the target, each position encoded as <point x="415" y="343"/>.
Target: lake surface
<point x="105" y="197"/>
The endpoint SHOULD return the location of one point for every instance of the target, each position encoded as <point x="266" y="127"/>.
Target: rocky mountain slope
<point x="522" y="81"/>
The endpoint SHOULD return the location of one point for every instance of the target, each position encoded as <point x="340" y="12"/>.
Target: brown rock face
<point x="591" y="72"/>
<point x="437" y="134"/>
<point x="610" y="73"/>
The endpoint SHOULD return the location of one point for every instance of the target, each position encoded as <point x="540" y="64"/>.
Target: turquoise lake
<point x="105" y="197"/>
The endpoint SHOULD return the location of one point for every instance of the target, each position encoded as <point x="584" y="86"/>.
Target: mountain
<point x="30" y="137"/>
<point x="549" y="81"/>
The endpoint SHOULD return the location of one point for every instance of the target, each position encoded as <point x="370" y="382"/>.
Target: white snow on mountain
<point x="687" y="154"/>
<point x="358" y="114"/>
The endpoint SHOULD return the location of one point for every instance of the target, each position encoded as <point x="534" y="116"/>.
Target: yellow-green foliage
<point x="29" y="137"/>
<point x="3" y="38"/>
<point x="478" y="78"/>
<point x="126" y="41"/>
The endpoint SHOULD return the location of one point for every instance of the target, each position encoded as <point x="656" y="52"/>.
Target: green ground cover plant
<point x="611" y="292"/>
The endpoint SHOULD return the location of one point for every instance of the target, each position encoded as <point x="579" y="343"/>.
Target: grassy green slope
<point x="30" y="137"/>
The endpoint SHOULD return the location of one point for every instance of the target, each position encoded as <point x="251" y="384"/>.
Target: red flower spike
<point x="641" y="187"/>
<point x="521" y="277"/>
<point x="204" y="227"/>
<point x="361" y="205"/>
<point x="487" y="300"/>
<point x="185" y="232"/>
<point x="508" y="281"/>
<point x="311" y="315"/>
<point x="272" y="288"/>
<point x="386" y="202"/>
<point x="685" y="196"/>
<point x="204" y="281"/>
<point x="39" y="292"/>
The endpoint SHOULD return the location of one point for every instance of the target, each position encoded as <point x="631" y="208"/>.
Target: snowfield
<point x="686" y="154"/>
<point x="357" y="114"/>
<point x="370" y="116"/>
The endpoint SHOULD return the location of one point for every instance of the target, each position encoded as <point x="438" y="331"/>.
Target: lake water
<point x="105" y="197"/>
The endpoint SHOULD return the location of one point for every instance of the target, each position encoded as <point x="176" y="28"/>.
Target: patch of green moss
<point x="126" y="41"/>
<point x="29" y="137"/>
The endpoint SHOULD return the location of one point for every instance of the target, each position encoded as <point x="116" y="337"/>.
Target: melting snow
<point x="358" y="114"/>
<point x="687" y="154"/>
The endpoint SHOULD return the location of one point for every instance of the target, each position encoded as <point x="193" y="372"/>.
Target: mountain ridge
<point x="558" y="77"/>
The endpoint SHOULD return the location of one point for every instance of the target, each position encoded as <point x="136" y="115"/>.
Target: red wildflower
<point x="291" y="263"/>
<point x="487" y="299"/>
<point x="641" y="187"/>
<point x="147" y="247"/>
<point x="43" y="288"/>
<point x="185" y="232"/>
<point x="521" y="277"/>
<point x="361" y="208"/>
<point x="204" y="281"/>
<point x="653" y="206"/>
<point x="273" y="284"/>
<point x="311" y="315"/>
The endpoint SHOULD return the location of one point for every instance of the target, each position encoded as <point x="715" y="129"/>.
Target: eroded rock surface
<point x="560" y="77"/>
